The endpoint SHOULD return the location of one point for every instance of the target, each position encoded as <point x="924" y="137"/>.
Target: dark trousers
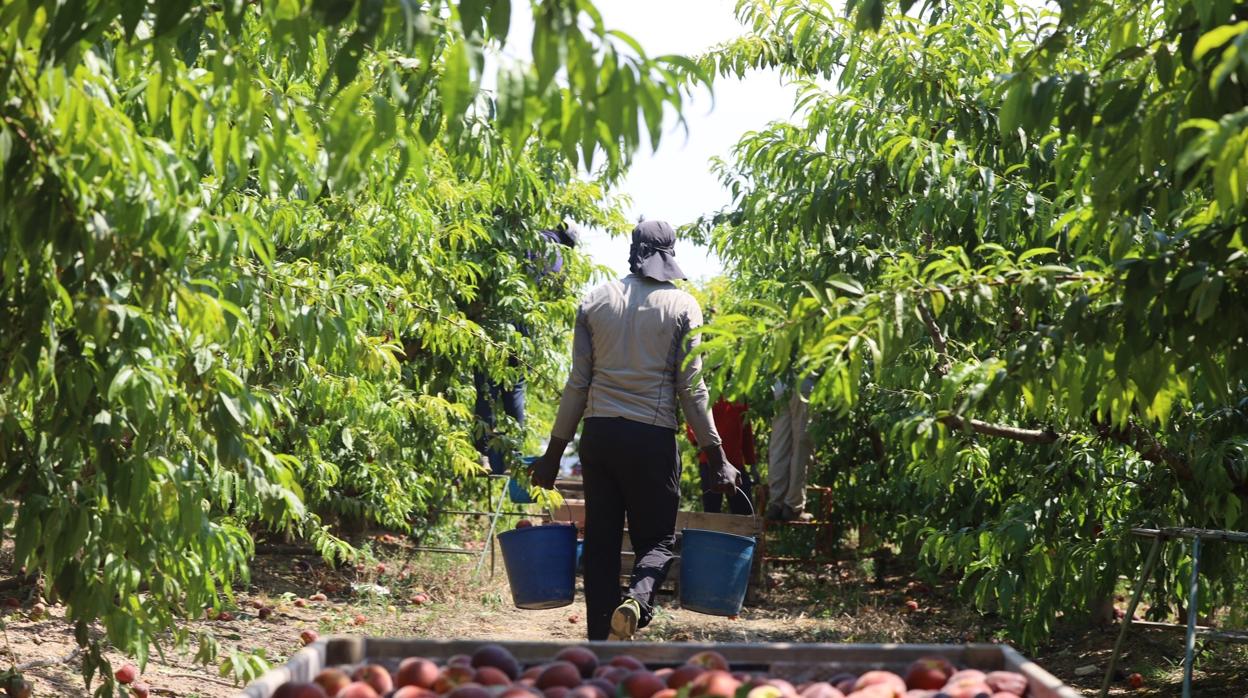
<point x="738" y="502"/>
<point x="630" y="470"/>
<point x="490" y="394"/>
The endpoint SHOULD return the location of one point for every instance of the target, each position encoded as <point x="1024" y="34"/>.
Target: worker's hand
<point x="719" y="473"/>
<point x="546" y="468"/>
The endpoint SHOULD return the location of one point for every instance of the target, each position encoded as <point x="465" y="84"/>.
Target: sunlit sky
<point x="675" y="183"/>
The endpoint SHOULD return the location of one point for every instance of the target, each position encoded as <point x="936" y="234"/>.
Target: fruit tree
<point x="1008" y="240"/>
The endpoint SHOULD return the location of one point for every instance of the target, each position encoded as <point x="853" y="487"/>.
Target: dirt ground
<point x="836" y="603"/>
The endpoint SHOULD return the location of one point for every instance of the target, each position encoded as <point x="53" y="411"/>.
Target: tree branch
<point x="1149" y="447"/>
<point x="1139" y="439"/>
<point x="938" y="338"/>
<point x="1027" y="436"/>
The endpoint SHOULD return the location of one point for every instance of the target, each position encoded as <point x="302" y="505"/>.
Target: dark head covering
<point x="568" y="234"/>
<point x="653" y="253"/>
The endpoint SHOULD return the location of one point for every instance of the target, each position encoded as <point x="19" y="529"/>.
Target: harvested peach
<point x="583" y="659"/>
<point x="332" y="681"/>
<point x="416" y="671"/>
<point x="499" y="658"/>
<point x="559" y="674"/>
<point x="376" y="676"/>
<point x="299" y="690"/>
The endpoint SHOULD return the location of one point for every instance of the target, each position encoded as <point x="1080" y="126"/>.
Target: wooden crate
<point x="795" y="662"/>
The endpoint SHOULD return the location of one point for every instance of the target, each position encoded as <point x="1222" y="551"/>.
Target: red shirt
<point x="734" y="431"/>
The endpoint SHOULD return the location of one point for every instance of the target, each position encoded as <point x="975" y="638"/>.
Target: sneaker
<point x="624" y="621"/>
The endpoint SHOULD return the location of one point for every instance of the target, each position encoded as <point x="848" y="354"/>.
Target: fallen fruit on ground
<point x="309" y="636"/>
<point x="1135" y="680"/>
<point x="20" y="688"/>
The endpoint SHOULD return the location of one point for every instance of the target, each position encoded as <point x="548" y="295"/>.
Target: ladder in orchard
<point x="509" y="491"/>
<point x="1164" y="535"/>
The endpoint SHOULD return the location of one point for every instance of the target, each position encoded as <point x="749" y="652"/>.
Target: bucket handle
<point x="550" y="511"/>
<point x="743" y="494"/>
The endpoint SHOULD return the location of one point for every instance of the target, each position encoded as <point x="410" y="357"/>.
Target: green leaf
<point x="1011" y="115"/>
<point x="1217" y="37"/>
<point x="470" y="14"/>
<point x="1165" y="65"/>
<point x="500" y="19"/>
<point x="169" y="14"/>
<point x="456" y="88"/>
<point x="1036" y="252"/>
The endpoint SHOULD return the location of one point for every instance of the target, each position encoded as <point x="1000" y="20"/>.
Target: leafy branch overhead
<point x="251" y="255"/>
<point x="1009" y="237"/>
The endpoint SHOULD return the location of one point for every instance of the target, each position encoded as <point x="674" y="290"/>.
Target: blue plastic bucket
<point x="517" y="493"/>
<point x="541" y="565"/>
<point x="714" y="571"/>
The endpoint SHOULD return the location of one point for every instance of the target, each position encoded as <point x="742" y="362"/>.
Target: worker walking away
<point x="788" y="453"/>
<point x="630" y="374"/>
<point x="737" y="438"/>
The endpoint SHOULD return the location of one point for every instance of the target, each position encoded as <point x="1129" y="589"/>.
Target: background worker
<point x="788" y="453"/>
<point x="629" y="377"/>
<point x="492" y="394"/>
<point x="738" y="441"/>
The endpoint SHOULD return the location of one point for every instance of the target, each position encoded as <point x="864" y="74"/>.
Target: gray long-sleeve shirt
<point x="628" y="359"/>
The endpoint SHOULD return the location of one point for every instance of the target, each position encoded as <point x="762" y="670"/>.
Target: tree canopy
<point x="1008" y="242"/>
<point x="241" y="246"/>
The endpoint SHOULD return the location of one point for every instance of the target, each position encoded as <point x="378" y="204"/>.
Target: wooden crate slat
<point x="724" y="523"/>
